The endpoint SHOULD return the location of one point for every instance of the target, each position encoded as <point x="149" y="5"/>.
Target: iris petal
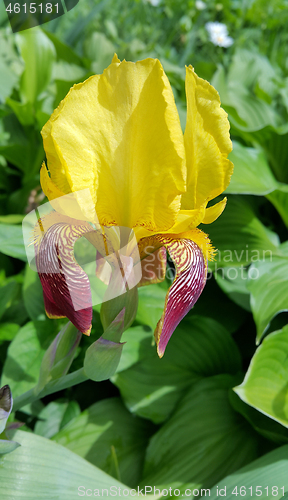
<point x="119" y="135"/>
<point x="66" y="286"/>
<point x="153" y="269"/>
<point x="207" y="143"/>
<point x="191" y="272"/>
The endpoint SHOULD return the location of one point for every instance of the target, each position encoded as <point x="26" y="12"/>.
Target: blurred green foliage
<point x="183" y="425"/>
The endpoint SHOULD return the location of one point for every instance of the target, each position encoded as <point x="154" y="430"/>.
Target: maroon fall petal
<point x="66" y="286"/>
<point x="190" y="279"/>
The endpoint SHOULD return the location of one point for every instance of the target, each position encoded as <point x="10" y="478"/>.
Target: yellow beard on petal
<point x="202" y="240"/>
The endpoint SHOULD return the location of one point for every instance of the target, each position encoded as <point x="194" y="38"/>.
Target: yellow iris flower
<point x="119" y="135"/>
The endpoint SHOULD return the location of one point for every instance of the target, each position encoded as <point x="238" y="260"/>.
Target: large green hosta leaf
<point x="265" y="386"/>
<point x="203" y="441"/>
<point x="234" y="282"/>
<point x="39" y="54"/>
<point x="266" y="472"/>
<point x="11" y="241"/>
<point x="252" y="174"/>
<point x="269" y="291"/>
<point x="25" y="353"/>
<point x="247" y="112"/>
<point x="200" y="347"/>
<point x="151" y="305"/>
<point x="33" y="295"/>
<point x="9" y="79"/>
<point x="240" y="236"/>
<point x="42" y="469"/>
<point x="108" y="436"/>
<point x="279" y="199"/>
<point x="274" y="141"/>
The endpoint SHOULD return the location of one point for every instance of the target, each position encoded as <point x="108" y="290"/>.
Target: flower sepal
<point x="6" y="403"/>
<point x="59" y="356"/>
<point x="110" y="309"/>
<point x="103" y="356"/>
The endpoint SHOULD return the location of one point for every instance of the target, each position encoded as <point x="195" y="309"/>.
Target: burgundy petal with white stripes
<point x="190" y="279"/>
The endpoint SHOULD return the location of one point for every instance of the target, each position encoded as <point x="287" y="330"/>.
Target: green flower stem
<point x="56" y="385"/>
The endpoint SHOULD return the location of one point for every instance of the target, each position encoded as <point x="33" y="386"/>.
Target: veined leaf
<point x="199" y="347"/>
<point x="258" y="478"/>
<point x="33" y="295"/>
<point x="252" y="174"/>
<point x="202" y="442"/>
<point x="279" y="199"/>
<point x="11" y="241"/>
<point x="43" y="469"/>
<point x="25" y="353"/>
<point x="106" y="432"/>
<point x="39" y="54"/>
<point x="265" y="386"/>
<point x="240" y="236"/>
<point x="269" y="291"/>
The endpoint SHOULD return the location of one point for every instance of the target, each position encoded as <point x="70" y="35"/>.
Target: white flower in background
<point x="200" y="5"/>
<point x="218" y="34"/>
<point x="154" y="2"/>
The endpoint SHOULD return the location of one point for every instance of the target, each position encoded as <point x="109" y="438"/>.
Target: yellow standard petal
<point x="119" y="134"/>
<point x="207" y="143"/>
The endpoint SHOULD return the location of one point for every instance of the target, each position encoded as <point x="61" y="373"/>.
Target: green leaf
<point x="103" y="356"/>
<point x="9" y="79"/>
<point x="265" y="472"/>
<point x="59" y="355"/>
<point x="151" y="305"/>
<point x="25" y="353"/>
<point x="16" y="313"/>
<point x="8" y="331"/>
<point x="111" y="308"/>
<point x="11" y="219"/>
<point x="252" y="174"/>
<point x="246" y="111"/>
<point x="263" y="424"/>
<point x="274" y="141"/>
<point x="68" y="72"/>
<point x="279" y="199"/>
<point x="234" y="284"/>
<point x="11" y="241"/>
<point x="204" y="440"/>
<point x="63" y="51"/>
<point x="52" y="416"/>
<point x="268" y="290"/>
<point x="265" y="386"/>
<point x="43" y="469"/>
<point x="214" y="303"/>
<point x="20" y="147"/>
<point x="199" y="347"/>
<point x="7" y="294"/>
<point x="137" y="345"/>
<point x="78" y="28"/>
<point x="33" y="295"/>
<point x="239" y="235"/>
<point x="7" y="446"/>
<point x="104" y="425"/>
<point x="101" y="359"/>
<point x="23" y="111"/>
<point x="38" y="53"/>
<point x="99" y="50"/>
<point x="255" y="113"/>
